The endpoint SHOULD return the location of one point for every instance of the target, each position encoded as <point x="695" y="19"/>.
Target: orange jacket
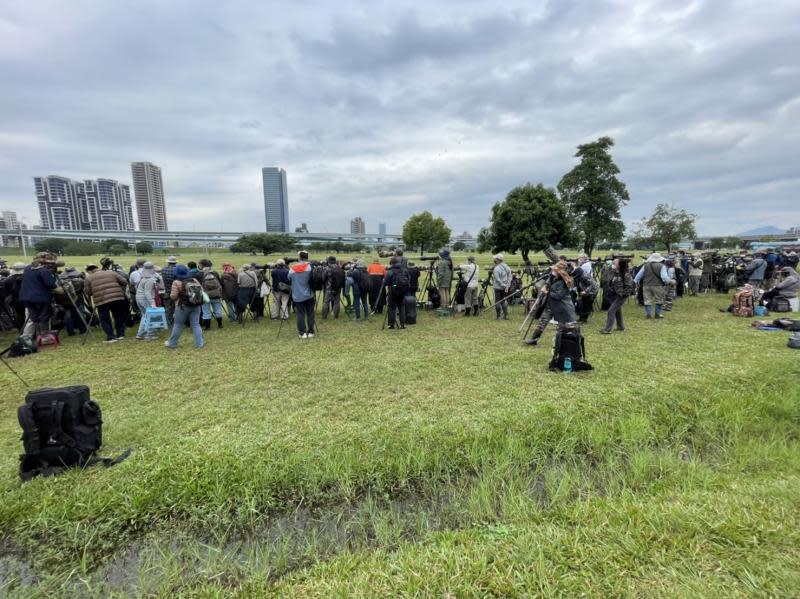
<point x="376" y="269"/>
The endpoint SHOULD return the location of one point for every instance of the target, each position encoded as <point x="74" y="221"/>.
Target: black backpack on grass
<point x="569" y="343"/>
<point x="60" y="428"/>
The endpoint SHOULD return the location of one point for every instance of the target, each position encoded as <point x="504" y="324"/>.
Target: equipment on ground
<point x="569" y="345"/>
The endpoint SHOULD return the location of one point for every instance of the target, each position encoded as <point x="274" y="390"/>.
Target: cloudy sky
<point x="385" y="109"/>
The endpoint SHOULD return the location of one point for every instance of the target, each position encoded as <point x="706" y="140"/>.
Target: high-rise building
<point x="357" y="226"/>
<point x="9" y="220"/>
<point x="90" y="205"/>
<point x="149" y="189"/>
<point x="381" y="228"/>
<point x="276" y="199"/>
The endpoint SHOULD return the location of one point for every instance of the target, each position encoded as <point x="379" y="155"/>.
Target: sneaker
<point x="120" y="338"/>
<point x="167" y="345"/>
<point x="658" y="316"/>
<point x="605" y="332"/>
<point x="505" y="317"/>
<point x="532" y="342"/>
<point x="310" y="336"/>
<point x="303" y="336"/>
<point x="112" y="340"/>
<point x="139" y="337"/>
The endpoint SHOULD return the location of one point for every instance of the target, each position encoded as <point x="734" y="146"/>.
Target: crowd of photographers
<point x="41" y="296"/>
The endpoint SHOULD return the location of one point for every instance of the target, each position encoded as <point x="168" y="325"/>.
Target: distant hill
<point x="763" y="231"/>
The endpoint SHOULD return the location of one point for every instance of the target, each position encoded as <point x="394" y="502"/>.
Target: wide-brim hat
<point x="172" y="260"/>
<point x="655" y="257"/>
<point x="18" y="268"/>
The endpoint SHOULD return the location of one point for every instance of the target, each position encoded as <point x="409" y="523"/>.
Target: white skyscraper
<point x="149" y="189"/>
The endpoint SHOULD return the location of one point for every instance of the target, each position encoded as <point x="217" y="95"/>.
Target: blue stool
<point x="155" y="319"/>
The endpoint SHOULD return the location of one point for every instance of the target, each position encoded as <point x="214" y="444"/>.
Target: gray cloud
<point x="379" y="111"/>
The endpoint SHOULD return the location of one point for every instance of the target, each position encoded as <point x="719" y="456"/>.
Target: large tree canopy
<point x="529" y="219"/>
<point x="424" y="231"/>
<point x="264" y="242"/>
<point x="594" y="196"/>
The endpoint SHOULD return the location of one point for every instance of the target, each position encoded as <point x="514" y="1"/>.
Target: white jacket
<point x="472" y="275"/>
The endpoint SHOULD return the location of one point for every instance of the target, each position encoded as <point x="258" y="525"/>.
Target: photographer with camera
<point x="334" y="284"/>
<point x="396" y="284"/>
<point x="303" y="296"/>
<point x="281" y="290"/>
<point x="361" y="287"/>
<point x="72" y="282"/>
<point x="36" y="293"/>
<point x="187" y="294"/>
<point x="107" y="289"/>
<point x="212" y="285"/>
<point x="472" y="278"/>
<point x="695" y="273"/>
<point x="558" y="300"/>
<point x="621" y="287"/>
<point x="248" y="288"/>
<point x="586" y="289"/>
<point x="230" y="289"/>
<point x="444" y="277"/>
<point x="783" y="296"/>
<point x="146" y="291"/>
<point x="654" y="277"/>
<point x="12" y="287"/>
<point x="377" y="272"/>
<point x="501" y="275"/>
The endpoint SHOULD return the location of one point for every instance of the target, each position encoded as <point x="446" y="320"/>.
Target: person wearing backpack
<point x="187" y="295"/>
<point x="107" y="289"/>
<point x="558" y="301"/>
<point x="396" y="284"/>
<point x="74" y="315"/>
<point x="230" y="289"/>
<point x="361" y="287"/>
<point x="654" y="277"/>
<point x="248" y="288"/>
<point x="212" y="285"/>
<point x="620" y="288"/>
<point x="334" y="283"/>
<point x="303" y="296"/>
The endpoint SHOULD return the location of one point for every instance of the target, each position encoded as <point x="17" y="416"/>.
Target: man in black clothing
<point x="396" y="284"/>
<point x="334" y="283"/>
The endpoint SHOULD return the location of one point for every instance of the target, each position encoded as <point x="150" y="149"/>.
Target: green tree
<point x="82" y="248"/>
<point x="733" y="242"/>
<point x="529" y="219"/>
<point x="117" y="248"/>
<point x="716" y="243"/>
<point x="144" y="247"/>
<point x="459" y="246"/>
<point x="51" y="244"/>
<point x="266" y="243"/>
<point x="424" y="231"/>
<point x="668" y="225"/>
<point x="594" y="196"/>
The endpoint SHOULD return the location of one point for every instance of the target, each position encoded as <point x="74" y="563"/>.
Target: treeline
<point x="270" y="243"/>
<point x="113" y="247"/>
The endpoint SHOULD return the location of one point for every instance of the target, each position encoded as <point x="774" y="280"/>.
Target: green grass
<point x="444" y="460"/>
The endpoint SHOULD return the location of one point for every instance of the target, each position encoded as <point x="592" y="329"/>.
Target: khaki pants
<point x="471" y="297"/>
<point x="280" y="302"/>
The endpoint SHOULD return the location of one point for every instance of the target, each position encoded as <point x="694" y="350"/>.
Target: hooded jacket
<point x="105" y="286"/>
<point x="300" y="277"/>
<point x="38" y="283"/>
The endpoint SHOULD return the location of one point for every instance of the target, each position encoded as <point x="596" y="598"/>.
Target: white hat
<point x="498" y="257"/>
<point x="18" y="267"/>
<point x="655" y="257"/>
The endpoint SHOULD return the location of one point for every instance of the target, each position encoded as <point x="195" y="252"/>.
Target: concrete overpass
<point x="202" y="238"/>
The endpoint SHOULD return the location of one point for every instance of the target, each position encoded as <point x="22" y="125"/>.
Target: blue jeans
<point x="216" y="304"/>
<point x="360" y="299"/>
<point x="181" y="314"/>
<point x="231" y="307"/>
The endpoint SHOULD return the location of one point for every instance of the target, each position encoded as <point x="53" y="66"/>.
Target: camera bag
<point x="569" y="343"/>
<point x="411" y="309"/>
<point x="61" y="427"/>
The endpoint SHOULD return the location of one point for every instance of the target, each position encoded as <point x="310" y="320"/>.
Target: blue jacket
<point x="37" y="285"/>
<point x="300" y="277"/>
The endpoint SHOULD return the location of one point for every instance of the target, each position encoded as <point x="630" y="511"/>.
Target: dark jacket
<point x="230" y="286"/>
<point x="559" y="300"/>
<point x="168" y="276"/>
<point x="38" y="283"/>
<point x="279" y="275"/>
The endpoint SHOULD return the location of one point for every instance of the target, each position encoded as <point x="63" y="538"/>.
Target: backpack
<point x="21" y="346"/>
<point x="627" y="284"/>
<point x="364" y="282"/>
<point x="192" y="294"/>
<point x="743" y="303"/>
<point x="794" y="341"/>
<point x="569" y="343"/>
<point x="402" y="281"/>
<point x="433" y="297"/>
<point x="780" y="304"/>
<point x="336" y="277"/>
<point x="212" y="285"/>
<point x="317" y="279"/>
<point x="60" y="428"/>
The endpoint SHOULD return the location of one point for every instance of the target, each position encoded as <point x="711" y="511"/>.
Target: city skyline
<point x="357" y="225"/>
<point x="412" y="107"/>
<point x="86" y="205"/>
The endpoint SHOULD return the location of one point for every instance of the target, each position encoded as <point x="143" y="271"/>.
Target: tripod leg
<point x="16" y="374"/>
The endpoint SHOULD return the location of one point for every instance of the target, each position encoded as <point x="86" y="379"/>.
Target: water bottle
<point x="567" y="365"/>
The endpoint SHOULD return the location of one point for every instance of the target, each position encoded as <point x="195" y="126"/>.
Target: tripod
<point x="16" y="374"/>
<point x="421" y="300"/>
<point x="74" y="304"/>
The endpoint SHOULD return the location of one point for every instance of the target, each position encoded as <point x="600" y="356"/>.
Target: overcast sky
<point x="384" y="109"/>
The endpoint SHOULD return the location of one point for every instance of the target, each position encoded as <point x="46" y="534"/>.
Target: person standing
<point x="621" y="287"/>
<point x="755" y="270"/>
<point x="187" y="295"/>
<point x="303" y="296"/>
<point x="74" y="312"/>
<point x="167" y="277"/>
<point x="361" y="287"/>
<point x="501" y="281"/>
<point x="230" y="289"/>
<point x="444" y="277"/>
<point x="396" y="284"/>
<point x="12" y="287"/>
<point x="281" y="289"/>
<point x="471" y="272"/>
<point x="606" y="275"/>
<point x="377" y="272"/>
<point x="107" y="289"/>
<point x="248" y="287"/>
<point x="36" y="293"/>
<point x="146" y="291"/>
<point x="559" y="304"/>
<point x="695" y="273"/>
<point x="212" y="285"/>
<point x="586" y="288"/>
<point x="334" y="283"/>
<point x="654" y="278"/>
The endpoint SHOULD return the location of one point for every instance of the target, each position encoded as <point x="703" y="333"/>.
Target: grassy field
<point x="443" y="460"/>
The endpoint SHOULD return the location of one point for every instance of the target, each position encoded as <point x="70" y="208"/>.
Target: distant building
<point x="8" y="220"/>
<point x="358" y="226"/>
<point x="381" y="229"/>
<point x="303" y="228"/>
<point x="276" y="199"/>
<point x="149" y="189"/>
<point x="90" y="205"/>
